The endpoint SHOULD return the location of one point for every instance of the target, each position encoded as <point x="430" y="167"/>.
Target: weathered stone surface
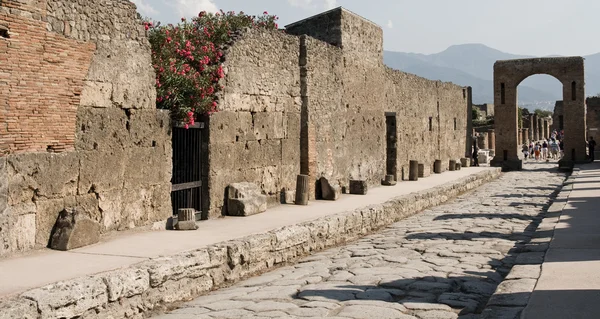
<point x="69" y="298"/>
<point x="22" y="308"/>
<point x="329" y="191"/>
<point x="513" y="293"/>
<point x="525" y="272"/>
<point x="73" y="230"/>
<point x="245" y="199"/>
<point x="358" y="187"/>
<point x="126" y="283"/>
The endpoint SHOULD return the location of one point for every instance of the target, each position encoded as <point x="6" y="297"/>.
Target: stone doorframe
<point x="508" y="74"/>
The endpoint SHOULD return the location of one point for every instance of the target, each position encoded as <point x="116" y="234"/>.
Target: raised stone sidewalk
<point x="134" y="274"/>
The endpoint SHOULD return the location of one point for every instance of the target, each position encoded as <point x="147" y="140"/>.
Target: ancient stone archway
<point x="507" y="76"/>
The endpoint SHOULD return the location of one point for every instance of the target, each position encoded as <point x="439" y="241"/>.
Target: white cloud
<point x="314" y="4"/>
<point x="191" y="8"/>
<point x="390" y="24"/>
<point x="330" y="4"/>
<point x="144" y="8"/>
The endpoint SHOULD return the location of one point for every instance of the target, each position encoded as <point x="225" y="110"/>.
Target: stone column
<point x="519" y="137"/>
<point x="530" y="128"/>
<point x="540" y="129"/>
<point x="491" y="139"/>
<point x="544" y="128"/>
<point x="525" y="136"/>
<point x="536" y="130"/>
<point x="482" y="141"/>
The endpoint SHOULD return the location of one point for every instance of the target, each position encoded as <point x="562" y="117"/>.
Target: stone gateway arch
<point x="508" y="74"/>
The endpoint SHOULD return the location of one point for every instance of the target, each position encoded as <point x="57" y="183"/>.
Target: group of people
<point x="544" y="150"/>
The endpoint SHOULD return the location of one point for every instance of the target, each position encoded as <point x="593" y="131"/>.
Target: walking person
<point x="545" y="150"/>
<point x="475" y="153"/>
<point x="592" y="147"/>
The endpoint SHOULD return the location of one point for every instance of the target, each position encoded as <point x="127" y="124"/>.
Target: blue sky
<point x="530" y="27"/>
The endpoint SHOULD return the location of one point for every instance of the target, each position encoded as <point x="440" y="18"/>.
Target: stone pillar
<point x="548" y="128"/>
<point x="525" y="136"/>
<point x="482" y="140"/>
<point x="491" y="140"/>
<point x="540" y="129"/>
<point x="574" y="118"/>
<point x="520" y="138"/>
<point x="544" y="129"/>
<point x="413" y="170"/>
<point x="308" y="141"/>
<point x="469" y="132"/>
<point x="530" y="128"/>
<point x="535" y="126"/>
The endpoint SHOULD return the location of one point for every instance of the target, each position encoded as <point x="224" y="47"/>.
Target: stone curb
<point x="513" y="293"/>
<point x="156" y="283"/>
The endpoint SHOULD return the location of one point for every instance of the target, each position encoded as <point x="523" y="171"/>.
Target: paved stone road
<point x="442" y="263"/>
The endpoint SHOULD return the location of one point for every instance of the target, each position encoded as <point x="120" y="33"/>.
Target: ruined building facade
<point x="79" y="125"/>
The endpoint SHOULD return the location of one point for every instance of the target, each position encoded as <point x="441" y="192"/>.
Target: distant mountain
<point x="473" y="65"/>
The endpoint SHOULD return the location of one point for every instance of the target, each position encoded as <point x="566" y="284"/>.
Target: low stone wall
<point x="156" y="283"/>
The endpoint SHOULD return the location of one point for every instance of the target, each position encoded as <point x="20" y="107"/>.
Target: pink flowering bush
<point x="187" y="59"/>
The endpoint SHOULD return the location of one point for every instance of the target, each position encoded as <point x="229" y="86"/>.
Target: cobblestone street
<point x="442" y="263"/>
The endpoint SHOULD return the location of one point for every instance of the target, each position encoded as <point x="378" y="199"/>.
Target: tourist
<point x="545" y="150"/>
<point x="475" y="154"/>
<point x="592" y="146"/>
<point x="537" y="150"/>
<point x="525" y="151"/>
<point x="554" y="150"/>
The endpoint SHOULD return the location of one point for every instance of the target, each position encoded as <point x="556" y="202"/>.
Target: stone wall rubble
<point x="156" y="283"/>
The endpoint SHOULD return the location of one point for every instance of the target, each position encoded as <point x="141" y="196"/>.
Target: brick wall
<point x="42" y="77"/>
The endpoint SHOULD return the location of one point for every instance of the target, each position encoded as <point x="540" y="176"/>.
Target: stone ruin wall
<point x="79" y="123"/>
<point x="344" y="91"/>
<point x="593" y="117"/>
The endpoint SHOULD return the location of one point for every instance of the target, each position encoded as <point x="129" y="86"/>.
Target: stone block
<point x="145" y="166"/>
<point x="268" y="125"/>
<point x="47" y="175"/>
<point x="96" y="94"/>
<point x="94" y="167"/>
<point x="69" y="299"/>
<point x="452" y="165"/>
<point x="150" y="128"/>
<point x="20" y="308"/>
<point x="245" y="199"/>
<point x="124" y="63"/>
<point x="359" y="187"/>
<point x="126" y="283"/>
<point x="22" y="232"/>
<point x="185" y="225"/>
<point x="328" y="191"/>
<point x="73" y="230"/>
<point x="101" y="129"/>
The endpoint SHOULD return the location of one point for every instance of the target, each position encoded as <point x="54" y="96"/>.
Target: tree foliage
<point x="187" y="59"/>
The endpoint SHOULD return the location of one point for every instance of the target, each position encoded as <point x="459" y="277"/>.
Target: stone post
<point x="536" y="130"/>
<point x="302" y="190"/>
<point x="437" y="167"/>
<point x="544" y="128"/>
<point x="413" y="170"/>
<point x="452" y="165"/>
<point x="491" y="139"/>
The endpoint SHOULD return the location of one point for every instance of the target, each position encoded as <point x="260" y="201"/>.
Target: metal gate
<point x="186" y="191"/>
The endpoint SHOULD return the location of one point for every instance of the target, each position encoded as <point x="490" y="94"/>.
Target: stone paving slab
<point x="149" y="285"/>
<point x="445" y="262"/>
